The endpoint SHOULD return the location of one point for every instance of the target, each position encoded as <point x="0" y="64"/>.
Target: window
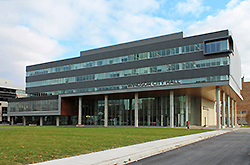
<point x="168" y="51"/>
<point x="177" y="50"/>
<point x="243" y="112"/>
<point x="187" y="48"/>
<point x="192" y="48"/>
<point x="216" y="46"/>
<point x="4" y="110"/>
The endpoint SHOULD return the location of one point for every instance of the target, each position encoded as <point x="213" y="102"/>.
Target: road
<point x="228" y="149"/>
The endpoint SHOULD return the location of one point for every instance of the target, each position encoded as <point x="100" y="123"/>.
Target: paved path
<point x="230" y="149"/>
<point x="134" y="152"/>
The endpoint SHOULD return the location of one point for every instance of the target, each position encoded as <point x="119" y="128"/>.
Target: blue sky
<point x="36" y="31"/>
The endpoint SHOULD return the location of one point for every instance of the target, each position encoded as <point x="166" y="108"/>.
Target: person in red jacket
<point x="188" y="124"/>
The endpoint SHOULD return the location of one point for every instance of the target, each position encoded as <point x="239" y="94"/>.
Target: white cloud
<point x="123" y="21"/>
<point x="194" y="7"/>
<point x="236" y="19"/>
<point x="232" y="4"/>
<point x="20" y="47"/>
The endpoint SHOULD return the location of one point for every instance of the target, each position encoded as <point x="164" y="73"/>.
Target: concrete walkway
<point x="136" y="152"/>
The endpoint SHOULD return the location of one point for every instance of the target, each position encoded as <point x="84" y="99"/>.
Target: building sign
<point x="153" y="84"/>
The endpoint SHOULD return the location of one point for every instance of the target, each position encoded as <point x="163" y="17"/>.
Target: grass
<point x="37" y="144"/>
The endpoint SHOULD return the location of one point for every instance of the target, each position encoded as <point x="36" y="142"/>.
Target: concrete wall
<point x="208" y="116"/>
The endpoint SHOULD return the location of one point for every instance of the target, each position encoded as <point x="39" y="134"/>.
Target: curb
<point x="182" y="141"/>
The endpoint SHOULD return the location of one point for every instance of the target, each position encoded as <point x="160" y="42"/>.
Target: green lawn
<point x="23" y="145"/>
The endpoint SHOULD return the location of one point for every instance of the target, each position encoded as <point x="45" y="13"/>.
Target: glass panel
<point x="197" y="48"/>
<point x="216" y="46"/>
<point x="208" y="48"/>
<point x="203" y="63"/>
<point x="187" y="49"/>
<point x="224" y="45"/>
<point x="168" y="51"/>
<point x="191" y="48"/>
<point x="172" y="51"/>
<point x="177" y="50"/>
<point x="183" y="49"/>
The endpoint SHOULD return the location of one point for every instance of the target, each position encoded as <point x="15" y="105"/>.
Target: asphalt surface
<point x="228" y="149"/>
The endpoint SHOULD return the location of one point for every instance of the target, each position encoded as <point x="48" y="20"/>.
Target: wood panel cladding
<point x="68" y="106"/>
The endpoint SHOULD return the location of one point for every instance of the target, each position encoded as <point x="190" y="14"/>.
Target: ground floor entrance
<point x="152" y="111"/>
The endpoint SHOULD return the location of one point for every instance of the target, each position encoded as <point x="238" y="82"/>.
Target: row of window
<point x="217" y="46"/>
<point x="138" y="71"/>
<point x="6" y="90"/>
<point x="126" y="86"/>
<point x="133" y="57"/>
<point x="41" y="105"/>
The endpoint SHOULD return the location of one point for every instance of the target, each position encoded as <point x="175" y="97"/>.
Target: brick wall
<point x="245" y="104"/>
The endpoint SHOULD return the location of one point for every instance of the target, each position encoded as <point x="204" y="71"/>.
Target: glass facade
<point x="126" y="86"/>
<point x="121" y="59"/>
<point x="41" y="105"/>
<point x="217" y="46"/>
<point x="32" y="120"/>
<point x="152" y="111"/>
<point x="138" y="71"/>
<point x="93" y="112"/>
<point x="51" y="120"/>
<point x="121" y="112"/>
<point x="67" y="120"/>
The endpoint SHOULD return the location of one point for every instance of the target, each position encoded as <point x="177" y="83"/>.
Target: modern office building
<point x="8" y="91"/>
<point x="160" y="81"/>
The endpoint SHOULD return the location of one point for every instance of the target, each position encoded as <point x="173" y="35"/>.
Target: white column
<point x="186" y="109"/>
<point x="232" y="112"/>
<point x="182" y="113"/>
<point x="121" y="116"/>
<point x="130" y="111"/>
<point x="235" y="113"/>
<point x="223" y="124"/>
<point x="96" y="110"/>
<point x="24" y="120"/>
<point x="162" y="110"/>
<point x="171" y="109"/>
<point x="57" y="121"/>
<point x="218" y="107"/>
<point x="80" y="111"/>
<point x="41" y="121"/>
<point x="136" y="109"/>
<point x="157" y="111"/>
<point x="106" y="111"/>
<point x="228" y="111"/>
<point x="148" y="116"/>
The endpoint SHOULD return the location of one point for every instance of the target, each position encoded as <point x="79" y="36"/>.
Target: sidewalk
<point x="136" y="152"/>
